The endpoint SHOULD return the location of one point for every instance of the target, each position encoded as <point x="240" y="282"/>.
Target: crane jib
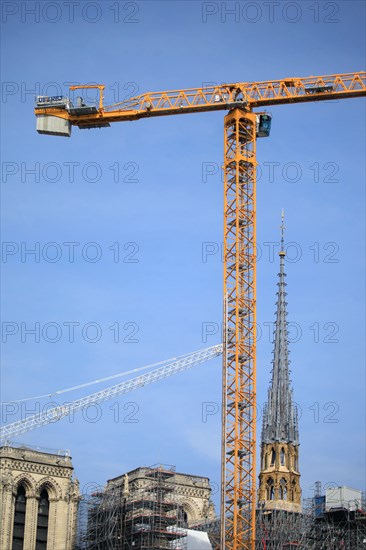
<point x="57" y="114"/>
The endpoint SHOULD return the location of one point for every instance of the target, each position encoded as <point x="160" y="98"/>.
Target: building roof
<point x="141" y="471"/>
<point x="36" y="455"/>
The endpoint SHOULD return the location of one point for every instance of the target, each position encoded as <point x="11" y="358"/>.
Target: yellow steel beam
<point x="239" y="368"/>
<point x="220" y="97"/>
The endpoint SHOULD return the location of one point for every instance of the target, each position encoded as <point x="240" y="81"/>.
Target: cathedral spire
<point x="280" y="416"/>
<point x="279" y="478"/>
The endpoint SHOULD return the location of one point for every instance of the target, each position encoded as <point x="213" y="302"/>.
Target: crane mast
<point x="239" y="368"/>
<point x="56" y="117"/>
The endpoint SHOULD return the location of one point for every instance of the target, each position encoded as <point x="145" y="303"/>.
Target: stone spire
<point x="280" y="423"/>
<point x="279" y="478"/>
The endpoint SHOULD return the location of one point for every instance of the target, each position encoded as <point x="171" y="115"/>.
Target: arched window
<point x="266" y="461"/>
<point x="293" y="486"/>
<point x="19" y="519"/>
<point x="42" y="521"/>
<point x="270" y="489"/>
<point x="273" y="457"/>
<point x="190" y="512"/>
<point x="282" y="457"/>
<point x="283" y="489"/>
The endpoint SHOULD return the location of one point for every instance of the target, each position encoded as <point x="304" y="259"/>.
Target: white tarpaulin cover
<point x="198" y="540"/>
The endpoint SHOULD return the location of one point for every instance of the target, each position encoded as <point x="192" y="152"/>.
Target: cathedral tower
<point x="279" y="478"/>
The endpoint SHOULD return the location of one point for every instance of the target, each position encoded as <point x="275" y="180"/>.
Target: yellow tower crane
<point x="56" y="116"/>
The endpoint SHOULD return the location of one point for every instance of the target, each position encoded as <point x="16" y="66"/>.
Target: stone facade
<point x="279" y="479"/>
<point x="192" y="492"/>
<point x="31" y="472"/>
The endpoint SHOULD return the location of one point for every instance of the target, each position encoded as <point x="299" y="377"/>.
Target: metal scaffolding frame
<point x="342" y="528"/>
<point x="143" y="518"/>
<point x="312" y="529"/>
<point x="278" y="529"/>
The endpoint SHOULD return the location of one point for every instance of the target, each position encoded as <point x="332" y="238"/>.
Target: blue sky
<point x="162" y="212"/>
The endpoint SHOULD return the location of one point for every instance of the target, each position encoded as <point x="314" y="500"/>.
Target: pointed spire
<point x="280" y="415"/>
<point x="283" y="227"/>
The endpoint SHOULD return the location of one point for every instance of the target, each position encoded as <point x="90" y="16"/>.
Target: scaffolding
<point x="136" y="518"/>
<point x="312" y="529"/>
<point x="145" y="516"/>
<point x="342" y="528"/>
<point x="212" y="528"/>
<point x="281" y="529"/>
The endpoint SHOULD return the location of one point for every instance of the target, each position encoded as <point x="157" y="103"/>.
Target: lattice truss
<point x="239" y="356"/>
<point x="246" y="95"/>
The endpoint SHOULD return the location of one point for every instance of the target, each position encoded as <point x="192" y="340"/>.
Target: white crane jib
<point x="54" y="414"/>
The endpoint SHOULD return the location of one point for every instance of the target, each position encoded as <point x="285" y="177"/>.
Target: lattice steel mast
<point x="237" y="510"/>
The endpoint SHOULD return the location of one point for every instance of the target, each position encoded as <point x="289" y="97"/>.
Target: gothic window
<point x="270" y="489"/>
<point x="19" y="519"/>
<point x="282" y="457"/>
<point x="296" y="464"/>
<point x="273" y="457"/>
<point x="266" y="461"/>
<point x="293" y="490"/>
<point x="42" y="521"/>
<point x="283" y="489"/>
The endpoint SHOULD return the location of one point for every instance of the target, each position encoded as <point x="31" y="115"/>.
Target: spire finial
<point x="282" y="227"/>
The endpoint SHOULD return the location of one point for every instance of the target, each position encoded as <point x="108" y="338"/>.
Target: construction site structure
<point x="213" y="528"/>
<point x="192" y="492"/>
<point x="340" y="527"/>
<point x="56" y="116"/>
<point x="277" y="528"/>
<point x="124" y="518"/>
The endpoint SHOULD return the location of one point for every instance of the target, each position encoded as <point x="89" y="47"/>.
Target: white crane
<point x="54" y="414"/>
